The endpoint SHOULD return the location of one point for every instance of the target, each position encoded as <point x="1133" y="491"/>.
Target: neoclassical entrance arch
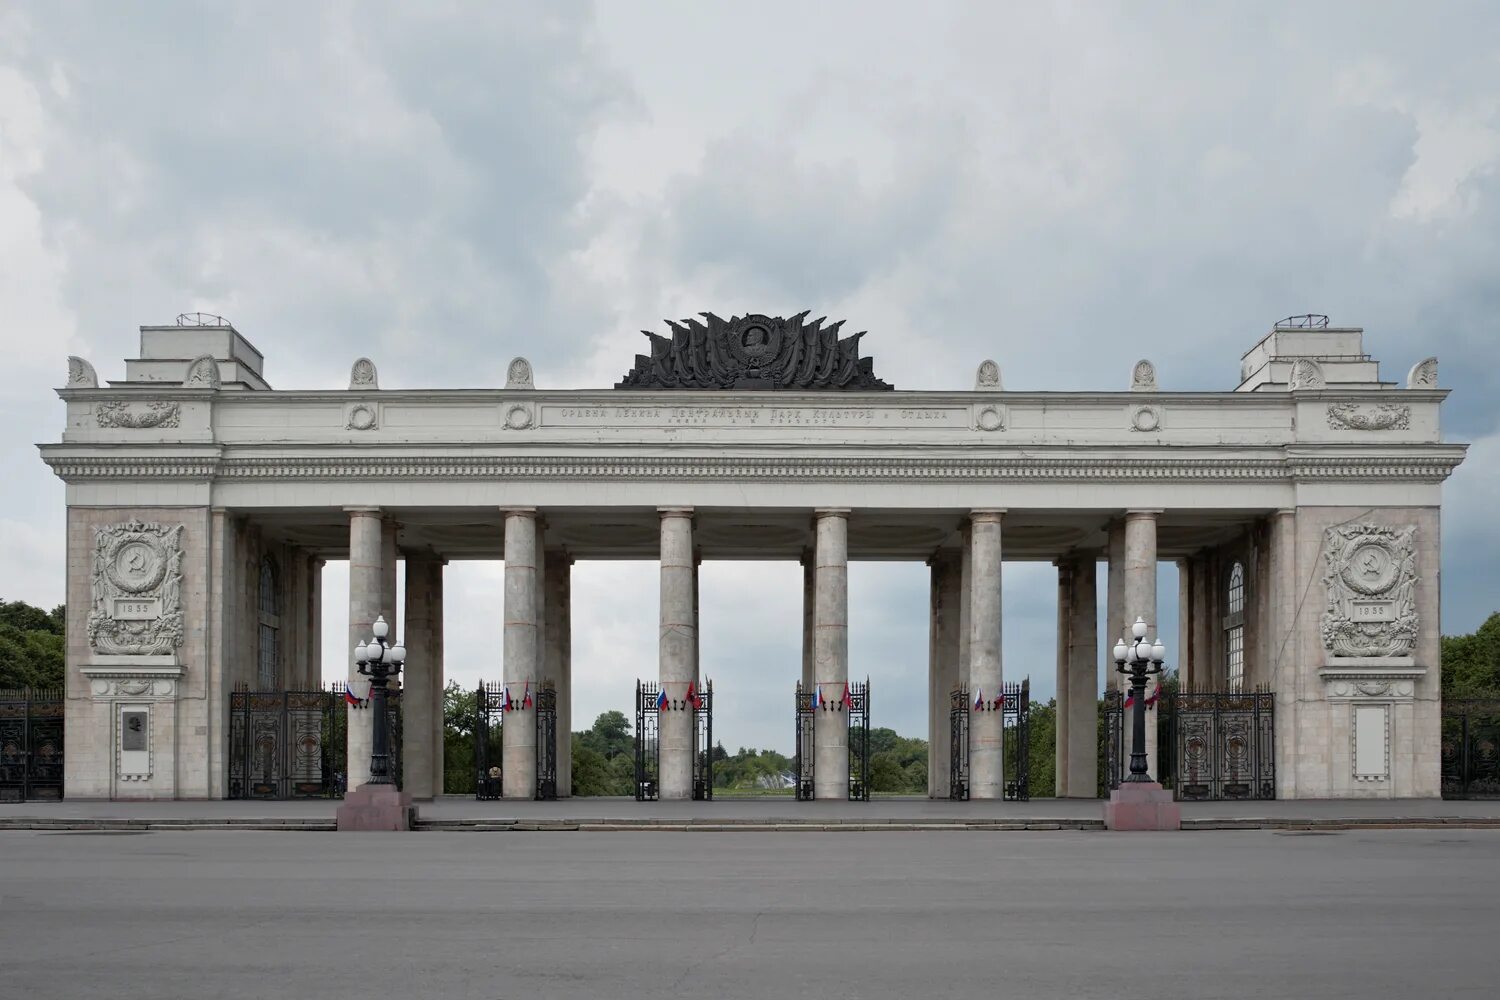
<point x="763" y="437"/>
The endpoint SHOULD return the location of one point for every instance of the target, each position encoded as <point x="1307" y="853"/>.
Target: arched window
<point x="270" y="626"/>
<point x="1234" y="627"/>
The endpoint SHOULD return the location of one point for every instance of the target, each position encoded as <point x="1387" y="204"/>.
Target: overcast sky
<point x="1063" y="187"/>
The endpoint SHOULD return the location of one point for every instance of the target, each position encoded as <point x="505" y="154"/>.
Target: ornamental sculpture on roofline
<point x="753" y="352"/>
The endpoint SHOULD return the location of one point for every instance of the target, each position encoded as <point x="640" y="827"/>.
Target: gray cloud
<point x="1063" y="188"/>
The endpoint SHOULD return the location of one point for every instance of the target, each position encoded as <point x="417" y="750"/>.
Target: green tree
<point x="32" y="645"/>
<point x="604" y="757"/>
<point x="460" y="715"/>
<point x="1041" y="749"/>
<point x="1471" y="663"/>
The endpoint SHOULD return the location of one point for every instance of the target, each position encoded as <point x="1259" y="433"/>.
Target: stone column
<point x="965" y="601"/>
<point x="521" y="641"/>
<point x="1203" y="626"/>
<point x="942" y="667"/>
<point x="1184" y="651"/>
<point x="315" y="623"/>
<point x="389" y="556"/>
<point x="559" y="643"/>
<point x="366" y="580"/>
<point x="678" y="649"/>
<point x="1083" y="679"/>
<point x="436" y="678"/>
<point x="809" y="603"/>
<point x="986" y="674"/>
<point x="417" y="706"/>
<point x="1282" y="602"/>
<point x="1140" y="602"/>
<point x="831" y="654"/>
<point x="1115" y="625"/>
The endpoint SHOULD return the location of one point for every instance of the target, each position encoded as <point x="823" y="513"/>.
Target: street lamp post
<point x="1139" y="659"/>
<point x="380" y="661"/>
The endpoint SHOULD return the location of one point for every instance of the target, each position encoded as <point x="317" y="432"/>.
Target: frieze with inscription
<point x="754" y="416"/>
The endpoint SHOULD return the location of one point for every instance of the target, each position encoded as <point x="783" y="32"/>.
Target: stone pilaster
<point x="942" y="667"/>
<point x="986" y="673"/>
<point x="1282" y="628"/>
<point x="809" y="603"/>
<point x="559" y="659"/>
<point x="1082" y="710"/>
<point x="435" y="678"/>
<point x="423" y="570"/>
<point x="677" y="667"/>
<point x="366" y="582"/>
<point x="521" y="641"/>
<point x="831" y="654"/>
<point x="965" y="601"/>
<point x="1115" y="625"/>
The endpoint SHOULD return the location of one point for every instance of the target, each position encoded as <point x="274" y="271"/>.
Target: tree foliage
<point x="1471" y="663"/>
<point x="32" y="644"/>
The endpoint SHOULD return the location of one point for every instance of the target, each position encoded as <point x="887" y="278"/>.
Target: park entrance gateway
<point x="1300" y="508"/>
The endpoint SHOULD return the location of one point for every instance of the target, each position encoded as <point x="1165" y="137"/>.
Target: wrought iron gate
<point x="703" y="743"/>
<point x="1225" y="744"/>
<point x="489" y="717"/>
<point x="859" y="741"/>
<point x="647" y="742"/>
<point x="287" y="744"/>
<point x="1016" y="743"/>
<point x="1471" y="748"/>
<point x="31" y="745"/>
<point x="1211" y="745"/>
<point x="546" y="742"/>
<point x="806" y="752"/>
<point x="958" y="744"/>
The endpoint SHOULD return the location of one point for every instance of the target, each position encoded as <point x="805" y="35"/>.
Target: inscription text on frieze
<point x="754" y="416"/>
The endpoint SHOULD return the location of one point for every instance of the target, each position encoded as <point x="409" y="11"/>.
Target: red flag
<point x="526" y="701"/>
<point x="692" y="695"/>
<point x="1154" y="696"/>
<point x="1129" y="697"/>
<point x="846" y="694"/>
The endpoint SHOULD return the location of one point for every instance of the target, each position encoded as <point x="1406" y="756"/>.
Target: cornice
<point x="790" y="468"/>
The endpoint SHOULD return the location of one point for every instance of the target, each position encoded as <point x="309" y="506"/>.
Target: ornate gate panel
<point x="31" y="745"/>
<point x="546" y="742"/>
<point x="1016" y="720"/>
<point x="958" y="744"/>
<point x="859" y="742"/>
<point x="289" y="744"/>
<point x="1225" y="746"/>
<point x="806" y="754"/>
<point x="1471" y="748"/>
<point x="1112" y="741"/>
<point x="647" y="742"/>
<point x="703" y="743"/>
<point x="489" y="717"/>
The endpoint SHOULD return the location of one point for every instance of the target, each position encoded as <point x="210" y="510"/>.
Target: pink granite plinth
<point x="376" y="807"/>
<point x="1141" y="806"/>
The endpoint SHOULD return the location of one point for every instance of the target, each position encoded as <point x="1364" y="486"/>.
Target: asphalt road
<point x="725" y="915"/>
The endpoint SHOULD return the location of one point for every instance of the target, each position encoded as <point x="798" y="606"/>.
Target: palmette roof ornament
<point x="1143" y="377"/>
<point x="1423" y="375"/>
<point x="987" y="377"/>
<point x="81" y="374"/>
<point x="362" y="375"/>
<point x="753" y="352"/>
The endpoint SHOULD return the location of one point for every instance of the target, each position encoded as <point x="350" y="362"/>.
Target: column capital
<point x="821" y="512"/>
<point x="1139" y="513"/>
<point x="986" y="515"/>
<point x="374" y="511"/>
<point x="519" y="512"/>
<point x="675" y="511"/>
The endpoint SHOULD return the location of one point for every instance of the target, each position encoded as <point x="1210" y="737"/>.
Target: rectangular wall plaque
<point x="133" y="730"/>
<point x="128" y="609"/>
<point x="1371" y="735"/>
<point x="1373" y="611"/>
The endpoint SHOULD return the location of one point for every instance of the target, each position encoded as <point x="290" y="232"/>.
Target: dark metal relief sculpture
<point x="753" y="352"/>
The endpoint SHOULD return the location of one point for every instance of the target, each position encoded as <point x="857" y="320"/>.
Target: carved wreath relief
<point x="1381" y="417"/>
<point x="122" y="414"/>
<point x="137" y="589"/>
<point x="1371" y="581"/>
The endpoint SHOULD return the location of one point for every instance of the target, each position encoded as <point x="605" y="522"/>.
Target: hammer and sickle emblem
<point x="1370" y="564"/>
<point x="135" y="562"/>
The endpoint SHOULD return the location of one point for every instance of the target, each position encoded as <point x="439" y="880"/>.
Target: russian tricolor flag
<point x="661" y="699"/>
<point x="817" y="698"/>
<point x="349" y="698"/>
<point x="979" y="699"/>
<point x="505" y="698"/>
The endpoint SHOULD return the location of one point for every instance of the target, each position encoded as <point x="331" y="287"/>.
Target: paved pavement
<point x="1363" y="914"/>
<point x="452" y="807"/>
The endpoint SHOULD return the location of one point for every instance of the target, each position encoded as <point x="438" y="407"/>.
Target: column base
<point x="1142" y="806"/>
<point x="376" y="807"/>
